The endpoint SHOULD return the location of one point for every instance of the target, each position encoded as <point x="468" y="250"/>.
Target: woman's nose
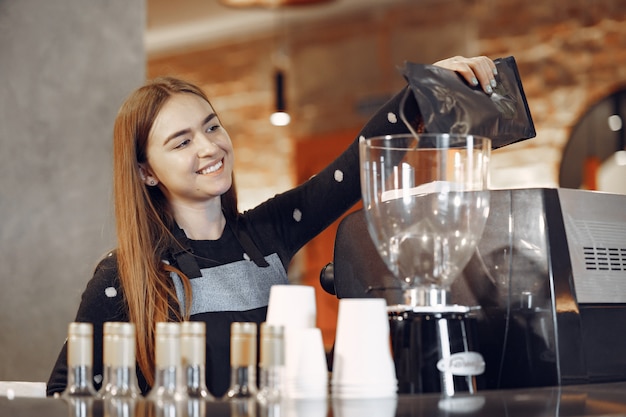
<point x="206" y="145"/>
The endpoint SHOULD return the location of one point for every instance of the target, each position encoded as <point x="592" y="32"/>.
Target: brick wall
<point x="570" y="55"/>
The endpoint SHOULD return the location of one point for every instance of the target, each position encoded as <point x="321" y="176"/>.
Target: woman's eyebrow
<point x="185" y="131"/>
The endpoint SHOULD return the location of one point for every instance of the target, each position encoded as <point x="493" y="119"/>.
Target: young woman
<point x="184" y="251"/>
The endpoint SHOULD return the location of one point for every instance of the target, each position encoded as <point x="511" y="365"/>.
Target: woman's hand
<point x="476" y="70"/>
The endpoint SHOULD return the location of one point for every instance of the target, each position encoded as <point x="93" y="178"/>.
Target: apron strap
<point x="187" y="263"/>
<point x="247" y="244"/>
<point x="183" y="255"/>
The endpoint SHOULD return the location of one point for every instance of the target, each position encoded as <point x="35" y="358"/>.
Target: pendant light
<point x="280" y="117"/>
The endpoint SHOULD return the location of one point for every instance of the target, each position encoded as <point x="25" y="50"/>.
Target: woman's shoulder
<point x="105" y="279"/>
<point x="106" y="268"/>
<point x="103" y="298"/>
<point x="108" y="262"/>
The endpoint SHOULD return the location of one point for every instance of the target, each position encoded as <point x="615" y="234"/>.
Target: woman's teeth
<point x="212" y="168"/>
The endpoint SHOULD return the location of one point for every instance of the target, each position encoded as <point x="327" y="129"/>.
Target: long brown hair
<point x="144" y="221"/>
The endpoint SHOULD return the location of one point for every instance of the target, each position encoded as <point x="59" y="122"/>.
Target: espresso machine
<point x="543" y="298"/>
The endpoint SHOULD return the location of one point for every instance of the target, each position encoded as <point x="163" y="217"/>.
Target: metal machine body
<point x="547" y="285"/>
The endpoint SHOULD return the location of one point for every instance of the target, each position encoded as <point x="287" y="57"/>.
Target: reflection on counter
<point x="577" y="400"/>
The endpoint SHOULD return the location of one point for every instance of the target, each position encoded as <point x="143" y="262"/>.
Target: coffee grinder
<point x="425" y="204"/>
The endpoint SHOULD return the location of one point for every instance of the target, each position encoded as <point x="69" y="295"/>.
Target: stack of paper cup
<point x="363" y="366"/>
<point x="306" y="369"/>
<point x="306" y="366"/>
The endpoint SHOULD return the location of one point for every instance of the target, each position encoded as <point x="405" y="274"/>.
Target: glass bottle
<point x="193" y="353"/>
<point x="168" y="386"/>
<point x="120" y="376"/>
<point x="79" y="361"/>
<point x="272" y="363"/>
<point x="242" y="361"/>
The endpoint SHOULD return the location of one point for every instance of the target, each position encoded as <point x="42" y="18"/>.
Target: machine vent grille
<point x="602" y="244"/>
<point x="595" y="225"/>
<point x="604" y="259"/>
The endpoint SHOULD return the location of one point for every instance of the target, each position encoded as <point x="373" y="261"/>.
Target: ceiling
<point x="172" y="24"/>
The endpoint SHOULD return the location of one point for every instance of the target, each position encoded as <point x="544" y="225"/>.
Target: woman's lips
<point x="212" y="168"/>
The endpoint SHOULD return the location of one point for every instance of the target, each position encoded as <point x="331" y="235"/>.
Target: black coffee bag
<point x="448" y="104"/>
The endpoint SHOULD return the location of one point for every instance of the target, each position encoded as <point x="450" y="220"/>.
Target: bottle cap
<point x="167" y="344"/>
<point x="80" y="329"/>
<point x="80" y="344"/>
<point x="272" y="345"/>
<point x="119" y="328"/>
<point x="243" y="344"/>
<point x="197" y="328"/>
<point x="193" y="343"/>
<point x="119" y="344"/>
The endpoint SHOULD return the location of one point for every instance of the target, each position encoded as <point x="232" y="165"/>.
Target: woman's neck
<point x="200" y="223"/>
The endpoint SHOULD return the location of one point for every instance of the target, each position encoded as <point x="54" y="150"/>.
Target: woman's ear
<point x="146" y="177"/>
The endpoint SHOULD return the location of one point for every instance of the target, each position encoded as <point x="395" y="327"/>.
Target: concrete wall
<point x="65" y="66"/>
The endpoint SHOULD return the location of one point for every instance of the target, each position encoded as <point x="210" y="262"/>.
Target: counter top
<point x="576" y="400"/>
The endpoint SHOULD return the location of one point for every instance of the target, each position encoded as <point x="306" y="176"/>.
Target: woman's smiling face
<point x="189" y="152"/>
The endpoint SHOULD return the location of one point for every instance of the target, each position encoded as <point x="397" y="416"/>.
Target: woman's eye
<point x="182" y="144"/>
<point x="212" y="128"/>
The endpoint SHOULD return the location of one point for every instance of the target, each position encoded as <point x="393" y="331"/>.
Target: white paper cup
<point x="292" y="306"/>
<point x="306" y="368"/>
<point x="363" y="364"/>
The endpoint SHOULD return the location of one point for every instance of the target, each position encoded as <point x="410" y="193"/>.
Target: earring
<point x="152" y="182"/>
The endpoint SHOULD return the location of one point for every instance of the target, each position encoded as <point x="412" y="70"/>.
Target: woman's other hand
<point x="476" y="70"/>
